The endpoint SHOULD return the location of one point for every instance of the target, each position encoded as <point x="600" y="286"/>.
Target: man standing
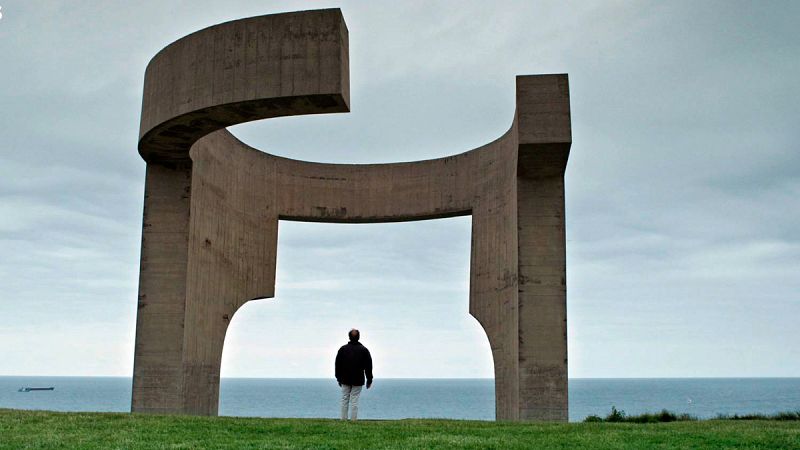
<point x="353" y="362"/>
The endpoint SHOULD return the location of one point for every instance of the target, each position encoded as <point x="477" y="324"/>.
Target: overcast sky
<point x="683" y="185"/>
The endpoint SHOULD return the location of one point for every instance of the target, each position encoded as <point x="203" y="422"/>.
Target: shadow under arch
<point x="212" y="206"/>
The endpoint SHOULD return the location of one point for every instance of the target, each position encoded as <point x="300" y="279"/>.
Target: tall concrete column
<point x="493" y="267"/>
<point x="210" y="226"/>
<point x="233" y="240"/>
<point x="493" y="302"/>
<point x="157" y="368"/>
<point x="544" y="142"/>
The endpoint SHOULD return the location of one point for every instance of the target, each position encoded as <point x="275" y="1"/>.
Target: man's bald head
<point x="354" y="335"/>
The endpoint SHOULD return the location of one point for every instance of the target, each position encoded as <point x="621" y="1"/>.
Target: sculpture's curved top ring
<point x="243" y="70"/>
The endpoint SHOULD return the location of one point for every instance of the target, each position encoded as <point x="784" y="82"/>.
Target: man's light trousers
<point x="350" y="395"/>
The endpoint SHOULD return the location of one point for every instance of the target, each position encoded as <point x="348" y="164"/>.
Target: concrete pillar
<point x="157" y="369"/>
<point x="493" y="302"/>
<point x="542" y="300"/>
<point x="544" y="142"/>
<point x="233" y="240"/>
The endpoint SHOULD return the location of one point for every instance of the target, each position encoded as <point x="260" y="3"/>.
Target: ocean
<point x="424" y="398"/>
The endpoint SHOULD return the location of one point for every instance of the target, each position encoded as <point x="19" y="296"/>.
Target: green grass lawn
<point x="39" y="429"/>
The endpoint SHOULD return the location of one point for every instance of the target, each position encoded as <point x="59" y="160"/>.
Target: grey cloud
<point x="682" y="185"/>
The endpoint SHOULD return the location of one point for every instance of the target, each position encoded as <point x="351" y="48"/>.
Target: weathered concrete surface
<point x="212" y="207"/>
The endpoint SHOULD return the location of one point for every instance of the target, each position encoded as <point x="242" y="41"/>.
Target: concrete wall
<point x="212" y="207"/>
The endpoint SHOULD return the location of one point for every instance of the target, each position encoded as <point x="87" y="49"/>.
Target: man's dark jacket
<point x="352" y="362"/>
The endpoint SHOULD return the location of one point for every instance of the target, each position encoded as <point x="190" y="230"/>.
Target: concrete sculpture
<point x="212" y="206"/>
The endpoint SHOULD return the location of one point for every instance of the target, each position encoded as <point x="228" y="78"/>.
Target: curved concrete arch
<point x="240" y="71"/>
<point x="212" y="207"/>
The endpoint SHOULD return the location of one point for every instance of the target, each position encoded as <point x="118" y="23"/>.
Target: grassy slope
<point x="31" y="429"/>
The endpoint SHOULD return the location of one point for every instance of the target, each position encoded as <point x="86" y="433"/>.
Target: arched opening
<point x="404" y="285"/>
